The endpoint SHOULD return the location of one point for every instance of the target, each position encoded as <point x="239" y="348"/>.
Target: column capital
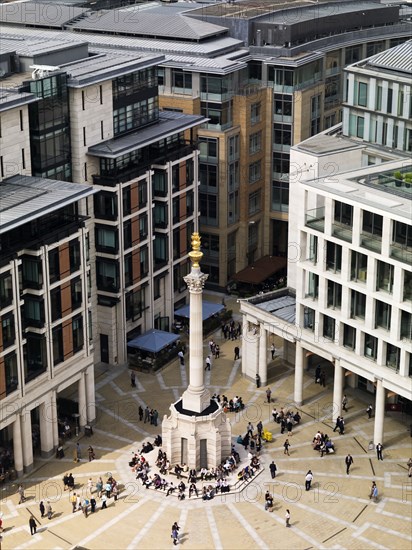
<point x="195" y="283"/>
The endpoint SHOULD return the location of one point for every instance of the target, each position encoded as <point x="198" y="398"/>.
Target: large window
<point x="255" y="113"/>
<point x="106" y="239"/>
<point x="208" y="149"/>
<point x="406" y="325"/>
<point x="35" y="356"/>
<point x="333" y="256"/>
<point x="313" y="285"/>
<point x="10" y="371"/>
<point x="54" y="265"/>
<point x="255" y="202"/>
<point x="384" y="276"/>
<point x="328" y="327"/>
<point x="309" y="318"/>
<point x="208" y="175"/>
<point x="280" y="196"/>
<point x="33" y="311"/>
<point x="160" y="251"/>
<point x="55" y="304"/>
<point x="32" y="272"/>
<point x="74" y="253"/>
<point x="107" y="274"/>
<point x="283" y="105"/>
<point x="8" y="330"/>
<point x="208" y="209"/>
<point x="135" y="304"/>
<point x="371" y="347"/>
<point x="130" y="117"/>
<point x="220" y="114"/>
<point x="105" y="205"/>
<point x="372" y="223"/>
<point x="255" y="143"/>
<point x="57" y="337"/>
<point x="334" y="295"/>
<point x="362" y="94"/>
<point x="349" y="337"/>
<point x="407" y="286"/>
<point x="343" y="213"/>
<point x="359" y="267"/>
<point x="393" y="356"/>
<point x="181" y="81"/>
<point x="402" y="234"/>
<point x="383" y="315"/>
<point x="358" y="304"/>
<point x="76" y="292"/>
<point x="77" y="333"/>
<point x="6" y="290"/>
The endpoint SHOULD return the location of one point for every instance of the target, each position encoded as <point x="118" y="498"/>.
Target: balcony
<point x="342" y="231"/>
<point x="371" y="242"/>
<point x="315" y="219"/>
<point x="401" y="253"/>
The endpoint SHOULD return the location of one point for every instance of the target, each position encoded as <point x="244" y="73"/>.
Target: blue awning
<point x="153" y="340"/>
<point x="208" y="310"/>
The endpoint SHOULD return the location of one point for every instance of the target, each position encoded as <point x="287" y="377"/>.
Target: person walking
<point x="146" y="414"/>
<point x="374" y="491"/>
<point x="104" y="501"/>
<point x="237" y="353"/>
<point x="140" y="413"/>
<point x="369" y="411"/>
<point x="287" y="518"/>
<point x="133" y="379"/>
<point x="92" y="505"/>
<point x="49" y="510"/>
<point x="42" y="509"/>
<point x="286" y="446"/>
<point x="308" y="480"/>
<point x="20" y="490"/>
<point x="257" y="380"/>
<point x="272" y="351"/>
<point x="32" y="525"/>
<point x="344" y="403"/>
<point x="348" y="462"/>
<point x="268" y="395"/>
<point x="273" y="469"/>
<point x="208" y="363"/>
<point x="379" y="448"/>
<point x="175" y="534"/>
<point x="181" y="356"/>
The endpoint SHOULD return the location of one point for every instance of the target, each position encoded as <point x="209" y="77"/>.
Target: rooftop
<point x="25" y="198"/>
<point x="169" y="123"/>
<point x="326" y="143"/>
<point x="9" y="99"/>
<point x="397" y="59"/>
<point x="39" y="14"/>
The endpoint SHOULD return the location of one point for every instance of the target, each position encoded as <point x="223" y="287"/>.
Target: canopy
<point x="260" y="270"/>
<point x="153" y="340"/>
<point x="208" y="310"/>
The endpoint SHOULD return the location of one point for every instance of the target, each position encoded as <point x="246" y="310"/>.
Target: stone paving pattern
<point x="335" y="513"/>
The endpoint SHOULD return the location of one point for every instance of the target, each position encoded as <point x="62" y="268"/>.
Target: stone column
<point x="263" y="363"/>
<point x="82" y="400"/>
<point x="90" y="395"/>
<point x="27" y="442"/>
<point x="17" y="446"/>
<point x="337" y="390"/>
<point x="53" y="414"/>
<point x="299" y="361"/>
<point x="196" y="398"/>
<point x="46" y="428"/>
<point x="379" y="412"/>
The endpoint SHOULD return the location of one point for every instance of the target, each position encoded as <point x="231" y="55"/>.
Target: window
<point x="280" y="196"/>
<point x="6" y="290"/>
<point x="359" y="267"/>
<point x="83" y="101"/>
<point x="77" y="333"/>
<point x="23" y="159"/>
<point x="407" y="286"/>
<point x="220" y="114"/>
<point x="180" y="271"/>
<point x="74" y="253"/>
<point x="255" y="143"/>
<point x="101" y="94"/>
<point x="208" y="175"/>
<point x="135" y="115"/>
<point x="8" y="330"/>
<point x="10" y="372"/>
<point x="107" y="275"/>
<point x="76" y="292"/>
<point x="135" y="304"/>
<point x="127" y="201"/>
<point x="160" y="215"/>
<point x="349" y="337"/>
<point x="389" y="101"/>
<point x="283" y="105"/>
<point x="55" y="304"/>
<point x="105" y="205"/>
<point x="333" y="256"/>
<point x="358" y="304"/>
<point x="32" y="272"/>
<point x="360" y="126"/>
<point x="383" y="315"/>
<point x="21" y="120"/>
<point x="127" y="235"/>
<point x="255" y="113"/>
<point x="181" y="81"/>
<point x="143" y="226"/>
<point x="208" y="149"/>
<point x="334" y="295"/>
<point x="343" y="213"/>
<point x="58" y="353"/>
<point x="176" y="209"/>
<point x="328" y="327"/>
<point x="128" y="270"/>
<point x="255" y="202"/>
<point x="210" y="245"/>
<point x="402" y="234"/>
<point x="208" y="208"/>
<point x="157" y="286"/>
<point x="378" y="103"/>
<point x="160" y="250"/>
<point x="255" y="171"/>
<point x="106" y="239"/>
<point x="233" y="147"/>
<point x="393" y="357"/>
<point x="282" y="135"/>
<point x="353" y="54"/>
<point x="406" y="325"/>
<point x="142" y="191"/>
<point x="144" y="261"/>
<point x="33" y="311"/>
<point x="160" y="183"/>
<point x="313" y="249"/>
<point x="313" y="285"/>
<point x="372" y="223"/>
<point x="309" y="318"/>
<point x="362" y="94"/>
<point x="384" y="276"/>
<point x="34" y="356"/>
<point x="84" y="136"/>
<point x="371" y="347"/>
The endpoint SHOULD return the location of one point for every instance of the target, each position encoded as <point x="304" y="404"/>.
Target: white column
<point x="337" y="390"/>
<point x="379" y="412"/>
<point x="17" y="446"/>
<point x="53" y="414"/>
<point x="27" y="441"/>
<point x="82" y="400"/>
<point x="46" y="428"/>
<point x="299" y="374"/>
<point x="263" y="363"/>
<point x="90" y="395"/>
<point x="196" y="340"/>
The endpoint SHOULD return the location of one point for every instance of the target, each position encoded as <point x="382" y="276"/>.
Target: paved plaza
<point x="335" y="513"/>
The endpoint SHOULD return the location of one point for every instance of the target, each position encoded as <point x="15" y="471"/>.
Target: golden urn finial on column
<point x="195" y="254"/>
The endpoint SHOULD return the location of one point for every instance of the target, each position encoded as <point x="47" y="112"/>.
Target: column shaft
<point x="17" y="446"/>
<point x="337" y="390"/>
<point x="82" y="400"/>
<point x="90" y="395"/>
<point x="27" y="439"/>
<point x="263" y="363"/>
<point x="379" y="413"/>
<point x="299" y="374"/>
<point x="196" y="380"/>
<point x="46" y="428"/>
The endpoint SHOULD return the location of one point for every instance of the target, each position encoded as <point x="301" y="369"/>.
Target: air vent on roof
<point x="42" y="71"/>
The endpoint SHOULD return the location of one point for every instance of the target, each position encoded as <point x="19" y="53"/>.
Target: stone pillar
<point x="337" y="390"/>
<point x="263" y="363"/>
<point x="53" y="414"/>
<point x="27" y="442"/>
<point x="299" y="361"/>
<point x="82" y="400"/>
<point x="91" y="399"/>
<point x="379" y="412"/>
<point x="17" y="446"/>
<point x="46" y="428"/>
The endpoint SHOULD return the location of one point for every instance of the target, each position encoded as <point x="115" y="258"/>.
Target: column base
<point x="28" y="469"/>
<point x="47" y="454"/>
<point x="19" y="473"/>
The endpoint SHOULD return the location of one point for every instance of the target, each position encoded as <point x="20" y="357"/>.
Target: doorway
<point x="104" y="348"/>
<point x="183" y="451"/>
<point x="203" y="453"/>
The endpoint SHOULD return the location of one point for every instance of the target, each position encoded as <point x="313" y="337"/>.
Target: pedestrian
<point x="257" y="380"/>
<point x="20" y="490"/>
<point x="140" y="413"/>
<point x="344" y="403"/>
<point x="174" y="535"/>
<point x="259" y="427"/>
<point x="272" y="468"/>
<point x="268" y="394"/>
<point x="42" y="509"/>
<point x="337" y="422"/>
<point x="208" y="363"/>
<point x="317" y="375"/>
<point x="108" y="489"/>
<point x="79" y="452"/>
<point x="374" y="491"/>
<point x="49" y="510"/>
<point x="99" y="487"/>
<point x="73" y="500"/>
<point x="286" y="446"/>
<point x="249" y="429"/>
<point x="32" y="525"/>
<point x="146" y="414"/>
<point x="237" y="353"/>
<point x="272" y="351"/>
<point x="85" y="507"/>
<point x="115" y="491"/>
<point x="369" y="410"/>
<point x="92" y="505"/>
<point x="217" y="351"/>
<point x="348" y="462"/>
<point x="133" y="379"/>
<point x="323" y="379"/>
<point x="181" y="358"/>
<point x="155" y="417"/>
<point x="379" y="448"/>
<point x="289" y="426"/>
<point x="308" y="480"/>
<point x="91" y="454"/>
<point x="287" y="518"/>
<point x="341" y="426"/>
<point x="104" y="501"/>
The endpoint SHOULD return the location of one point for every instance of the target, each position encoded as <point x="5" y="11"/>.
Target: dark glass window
<point x="343" y="213"/>
<point x="76" y="292"/>
<point x="105" y="205"/>
<point x="372" y="223"/>
<point x="135" y="304"/>
<point x="334" y="294"/>
<point x="359" y="267"/>
<point x="349" y="337"/>
<point x="160" y="251"/>
<point x="58" y="353"/>
<point x="128" y="270"/>
<point x="107" y="273"/>
<point x="74" y="252"/>
<point x="107" y="239"/>
<point x="35" y="356"/>
<point x="33" y="311"/>
<point x="8" y="330"/>
<point x="54" y="265"/>
<point x="32" y="272"/>
<point x="371" y="347"/>
<point x="333" y="256"/>
<point x="10" y="371"/>
<point x="383" y="315"/>
<point x="77" y="332"/>
<point x="385" y="276"/>
<point x="127" y="234"/>
<point x="127" y="203"/>
<point x="328" y="327"/>
<point x="55" y="304"/>
<point x="406" y="325"/>
<point x="6" y="290"/>
<point x="358" y="304"/>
